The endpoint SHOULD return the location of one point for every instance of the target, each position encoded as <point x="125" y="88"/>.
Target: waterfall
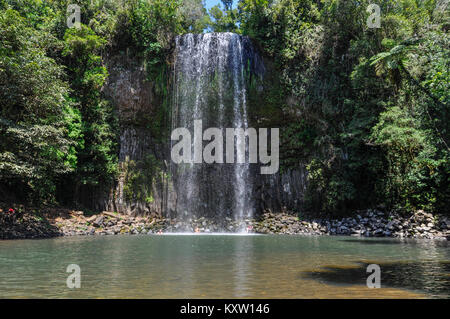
<point x="210" y="84"/>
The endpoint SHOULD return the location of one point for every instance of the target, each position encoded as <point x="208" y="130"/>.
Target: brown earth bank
<point x="24" y="223"/>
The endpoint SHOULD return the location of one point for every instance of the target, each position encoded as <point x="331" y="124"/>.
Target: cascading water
<point x="211" y="72"/>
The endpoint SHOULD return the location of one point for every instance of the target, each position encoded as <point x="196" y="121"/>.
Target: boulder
<point x="98" y="222"/>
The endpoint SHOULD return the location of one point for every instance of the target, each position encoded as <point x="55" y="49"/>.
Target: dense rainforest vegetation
<point x="365" y="109"/>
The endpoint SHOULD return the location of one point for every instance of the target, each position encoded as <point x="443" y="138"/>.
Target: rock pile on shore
<point x="113" y="224"/>
<point x="27" y="226"/>
<point x="370" y="223"/>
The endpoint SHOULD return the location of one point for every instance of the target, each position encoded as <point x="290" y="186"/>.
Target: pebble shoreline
<point x="371" y="223"/>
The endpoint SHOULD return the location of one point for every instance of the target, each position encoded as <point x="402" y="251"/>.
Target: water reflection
<point x="242" y="259"/>
<point x="220" y="266"/>
<point x="429" y="276"/>
<point x="390" y="241"/>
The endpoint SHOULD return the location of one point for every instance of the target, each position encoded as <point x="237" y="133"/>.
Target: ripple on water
<point x="223" y="266"/>
<point x="427" y="276"/>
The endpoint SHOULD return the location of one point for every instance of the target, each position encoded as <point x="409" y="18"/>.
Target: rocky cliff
<point x="142" y="187"/>
<point x="140" y="108"/>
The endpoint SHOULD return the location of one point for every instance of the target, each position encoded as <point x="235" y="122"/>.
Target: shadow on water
<point x="389" y="241"/>
<point x="430" y="277"/>
<point x="374" y="242"/>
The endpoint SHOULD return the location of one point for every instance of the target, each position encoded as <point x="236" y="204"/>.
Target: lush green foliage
<point x="35" y="147"/>
<point x="366" y="110"/>
<point x="223" y="19"/>
<point x="376" y="100"/>
<point x="58" y="131"/>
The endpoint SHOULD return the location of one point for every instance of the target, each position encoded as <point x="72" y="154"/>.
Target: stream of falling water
<point x="210" y="85"/>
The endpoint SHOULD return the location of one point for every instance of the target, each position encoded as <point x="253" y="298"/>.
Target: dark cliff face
<point x="139" y="189"/>
<point x="128" y="88"/>
<point x="144" y="185"/>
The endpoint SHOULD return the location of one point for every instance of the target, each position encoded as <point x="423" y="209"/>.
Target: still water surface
<point x="223" y="266"/>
